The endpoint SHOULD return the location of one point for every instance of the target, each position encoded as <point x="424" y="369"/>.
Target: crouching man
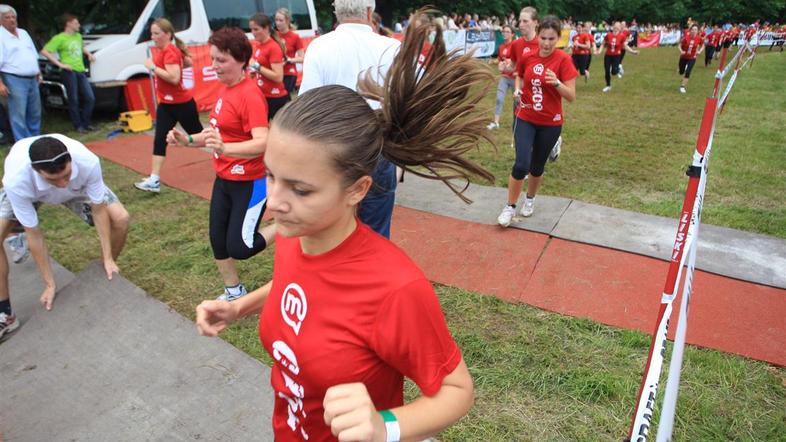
<point x="55" y="169"/>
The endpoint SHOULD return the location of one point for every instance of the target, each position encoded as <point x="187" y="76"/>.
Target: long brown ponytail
<point x="430" y="114"/>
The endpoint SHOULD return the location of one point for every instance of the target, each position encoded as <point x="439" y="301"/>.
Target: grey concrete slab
<point x="747" y="256"/>
<point x="112" y="363"/>
<point x="435" y="197"/>
<point x="26" y="285"/>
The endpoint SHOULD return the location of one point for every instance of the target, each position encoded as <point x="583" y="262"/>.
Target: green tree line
<point x="40" y="17"/>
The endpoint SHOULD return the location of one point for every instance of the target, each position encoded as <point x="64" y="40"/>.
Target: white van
<point x="118" y="34"/>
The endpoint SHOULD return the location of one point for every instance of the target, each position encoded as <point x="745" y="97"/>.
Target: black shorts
<point x="168" y="115"/>
<point x="686" y="66"/>
<point x="533" y="146"/>
<point x="236" y="209"/>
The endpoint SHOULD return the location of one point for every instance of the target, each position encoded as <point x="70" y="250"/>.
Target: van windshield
<point x="237" y="12"/>
<point x="112" y="16"/>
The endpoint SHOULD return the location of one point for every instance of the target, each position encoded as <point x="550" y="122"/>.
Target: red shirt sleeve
<point x="411" y="335"/>
<point x="276" y="55"/>
<point x="566" y="70"/>
<point x="298" y="42"/>
<point x="255" y="112"/>
<point x="172" y="55"/>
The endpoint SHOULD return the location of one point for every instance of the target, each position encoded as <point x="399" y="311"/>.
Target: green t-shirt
<point x="69" y="49"/>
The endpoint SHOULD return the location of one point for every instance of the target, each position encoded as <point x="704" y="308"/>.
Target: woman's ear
<point x="358" y="190"/>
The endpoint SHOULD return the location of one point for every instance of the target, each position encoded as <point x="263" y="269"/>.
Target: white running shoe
<point x="492" y="126"/>
<point x="622" y="71"/>
<point x="554" y="154"/>
<point x="227" y="296"/>
<point x="528" y="207"/>
<point x="149" y="185"/>
<point x="683" y="90"/>
<point x="607" y="88"/>
<point x="506" y="216"/>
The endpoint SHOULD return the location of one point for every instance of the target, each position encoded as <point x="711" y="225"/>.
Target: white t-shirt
<point x="339" y="57"/>
<point x="24" y="186"/>
<point x="18" y="55"/>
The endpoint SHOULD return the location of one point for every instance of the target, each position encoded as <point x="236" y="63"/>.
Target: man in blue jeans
<point x="372" y="54"/>
<point x="19" y="76"/>
<point x="69" y="48"/>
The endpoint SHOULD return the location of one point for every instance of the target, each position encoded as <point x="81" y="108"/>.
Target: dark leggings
<point x="611" y="64"/>
<point x="589" y="60"/>
<point x="274" y="105"/>
<point x="708" y="53"/>
<point x="236" y="208"/>
<point x="686" y="66"/>
<point x="622" y="55"/>
<point x="290" y="81"/>
<point x="167" y="115"/>
<point x="581" y="62"/>
<point x="533" y="145"/>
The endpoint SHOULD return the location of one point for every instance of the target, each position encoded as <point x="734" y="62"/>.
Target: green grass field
<point x="630" y="148"/>
<point x="540" y="375"/>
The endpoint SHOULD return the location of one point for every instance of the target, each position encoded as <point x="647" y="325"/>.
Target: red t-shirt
<point x="714" y="39"/>
<point x="293" y="43"/>
<point x="615" y="43"/>
<point x="239" y="109"/>
<point x="541" y="103"/>
<point x="581" y="39"/>
<point x="749" y="33"/>
<point x="504" y="55"/>
<point x="167" y="92"/>
<point x="521" y="49"/>
<point x="690" y="45"/>
<point x="343" y="317"/>
<point x="266" y="54"/>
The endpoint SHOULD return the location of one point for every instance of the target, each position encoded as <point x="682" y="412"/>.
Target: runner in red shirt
<point x="690" y="47"/>
<point x="712" y="41"/>
<point x="543" y="80"/>
<point x="175" y="101"/>
<point x="267" y="65"/>
<point x="506" y="82"/>
<point x="294" y="47"/>
<point x="613" y="44"/>
<point x="342" y="328"/>
<point x="626" y="32"/>
<point x="582" y="47"/>
<point x="527" y="44"/>
<point x="238" y="136"/>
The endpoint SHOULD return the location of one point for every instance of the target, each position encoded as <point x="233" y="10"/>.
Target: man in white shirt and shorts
<point x="55" y="169"/>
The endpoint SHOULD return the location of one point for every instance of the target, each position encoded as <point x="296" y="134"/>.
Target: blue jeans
<point x="80" y="95"/>
<point x="24" y="106"/>
<point x="376" y="209"/>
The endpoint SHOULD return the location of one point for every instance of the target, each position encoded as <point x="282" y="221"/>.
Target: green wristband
<point x="190" y="139"/>
<point x="391" y="426"/>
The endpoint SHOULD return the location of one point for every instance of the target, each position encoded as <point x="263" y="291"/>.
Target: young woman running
<point x="342" y="328"/>
<point x="175" y="103"/>
<point x="543" y="80"/>
<point x="613" y="44"/>
<point x="712" y="43"/>
<point x="527" y="44"/>
<point x="506" y="82"/>
<point x="294" y="47"/>
<point x="238" y="136"/>
<point x="626" y="32"/>
<point x="268" y="63"/>
<point x="582" y="46"/>
<point x="690" y="47"/>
